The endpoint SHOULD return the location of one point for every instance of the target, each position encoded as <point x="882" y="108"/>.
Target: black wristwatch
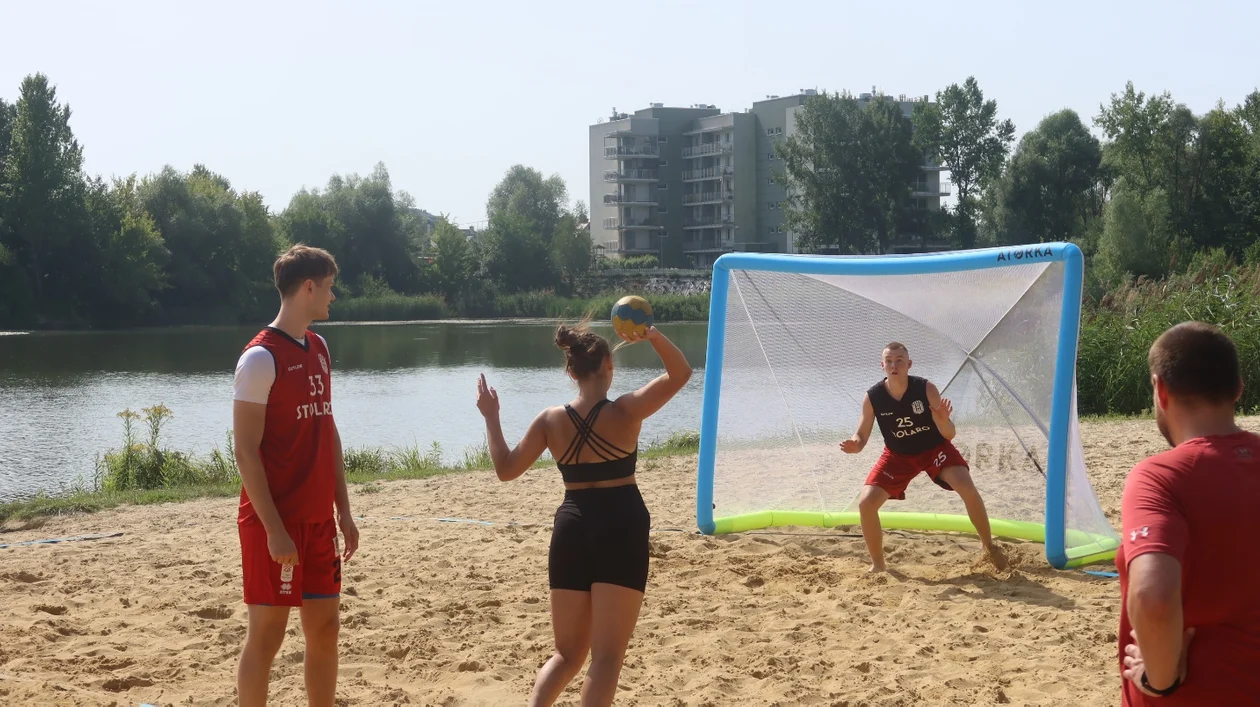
<point x="1166" y="691"/>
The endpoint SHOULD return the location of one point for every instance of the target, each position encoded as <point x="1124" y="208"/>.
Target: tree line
<point x="188" y="247"/>
<point x="1159" y="186"/>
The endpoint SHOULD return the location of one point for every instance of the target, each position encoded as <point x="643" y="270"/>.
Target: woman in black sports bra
<point x="598" y="562"/>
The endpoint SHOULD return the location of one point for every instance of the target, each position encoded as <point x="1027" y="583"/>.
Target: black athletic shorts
<point x="600" y="535"/>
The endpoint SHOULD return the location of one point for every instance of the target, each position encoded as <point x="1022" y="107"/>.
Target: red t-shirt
<point x="1200" y="503"/>
<point x="298" y="448"/>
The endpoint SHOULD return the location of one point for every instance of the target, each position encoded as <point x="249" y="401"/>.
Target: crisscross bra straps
<point x="616" y="462"/>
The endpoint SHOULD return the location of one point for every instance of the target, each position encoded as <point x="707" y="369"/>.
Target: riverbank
<point x="666" y="307"/>
<point x="527" y="305"/>
<point x="215" y="475"/>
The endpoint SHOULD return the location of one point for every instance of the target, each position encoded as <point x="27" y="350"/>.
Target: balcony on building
<point x="708" y="222"/>
<point x="630" y="176"/>
<point x="700" y="175"/>
<point x="630" y="152"/>
<point x="618" y="247"/>
<point x="620" y="224"/>
<point x="714" y="244"/>
<point x="707" y="149"/>
<point x="627" y="200"/>
<point x="708" y="197"/>
<point x="923" y="190"/>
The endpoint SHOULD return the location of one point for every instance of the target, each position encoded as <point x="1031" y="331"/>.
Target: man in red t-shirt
<point x="1189" y="562"/>
<point x="293" y="476"/>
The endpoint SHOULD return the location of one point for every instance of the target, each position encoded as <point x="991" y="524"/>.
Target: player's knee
<point x="573" y="654"/>
<point x="322" y="630"/>
<point x="607" y="657"/>
<point x="959" y="479"/>
<point x="264" y="641"/>
<point x="870" y="502"/>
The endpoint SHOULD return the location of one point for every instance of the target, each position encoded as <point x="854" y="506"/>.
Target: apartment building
<point x="688" y="184"/>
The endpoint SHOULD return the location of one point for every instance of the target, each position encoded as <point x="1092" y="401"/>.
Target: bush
<point x="146" y="465"/>
<point x="390" y="307"/>
<point x="1117" y="333"/>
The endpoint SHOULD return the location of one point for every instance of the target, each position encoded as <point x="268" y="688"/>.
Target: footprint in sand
<point x="218" y="612"/>
<point x="50" y="609"/>
<point x="22" y="576"/>
<point x="124" y="684"/>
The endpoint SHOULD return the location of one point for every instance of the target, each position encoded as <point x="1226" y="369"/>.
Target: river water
<point x="396" y="384"/>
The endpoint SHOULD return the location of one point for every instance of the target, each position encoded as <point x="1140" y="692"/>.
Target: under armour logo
<point x="1144" y="532"/>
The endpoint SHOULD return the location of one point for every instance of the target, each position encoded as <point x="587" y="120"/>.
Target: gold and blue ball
<point x="631" y="314"/>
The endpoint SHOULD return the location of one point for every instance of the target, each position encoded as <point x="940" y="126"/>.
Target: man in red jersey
<point x="1189" y="562"/>
<point x="289" y="453"/>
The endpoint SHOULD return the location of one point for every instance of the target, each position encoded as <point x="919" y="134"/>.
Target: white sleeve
<point x="255" y="372"/>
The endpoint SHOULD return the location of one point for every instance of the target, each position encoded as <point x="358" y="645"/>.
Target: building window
<point x="663" y="163"/>
<point x="769" y="131"/>
<point x="770" y="155"/>
<point x="662" y="185"/>
<point x="663" y="210"/>
<point x="778" y="131"/>
<point x="769" y="180"/>
<point x="663" y="139"/>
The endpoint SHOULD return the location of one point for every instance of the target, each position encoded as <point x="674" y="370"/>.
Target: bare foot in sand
<point x="876" y="569"/>
<point x="997" y="556"/>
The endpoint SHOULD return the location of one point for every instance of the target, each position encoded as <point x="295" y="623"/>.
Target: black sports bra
<point x="612" y="467"/>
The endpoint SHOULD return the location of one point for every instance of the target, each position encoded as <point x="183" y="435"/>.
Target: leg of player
<point x="959" y="479"/>
<point x="869" y="503"/>
<point x="615" y="610"/>
<point x="321" y="619"/>
<point x="571" y="623"/>
<point x="267" y="625"/>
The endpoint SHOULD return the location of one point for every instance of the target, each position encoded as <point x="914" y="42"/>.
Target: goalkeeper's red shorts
<point x="894" y="472"/>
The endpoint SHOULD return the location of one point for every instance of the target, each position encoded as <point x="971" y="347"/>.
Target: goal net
<point x="795" y="342"/>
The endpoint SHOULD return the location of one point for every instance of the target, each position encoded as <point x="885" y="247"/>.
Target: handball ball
<point x="632" y="314"/>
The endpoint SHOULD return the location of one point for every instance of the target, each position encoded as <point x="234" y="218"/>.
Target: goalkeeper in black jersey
<point x="914" y="420"/>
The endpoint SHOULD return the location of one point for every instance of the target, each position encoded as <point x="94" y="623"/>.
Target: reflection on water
<point x="396" y="384"/>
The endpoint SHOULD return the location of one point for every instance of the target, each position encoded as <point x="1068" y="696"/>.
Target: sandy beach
<point x="452" y="612"/>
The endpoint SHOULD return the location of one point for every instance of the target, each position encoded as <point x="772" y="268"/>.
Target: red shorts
<point x="894" y="472"/>
<point x="316" y="576"/>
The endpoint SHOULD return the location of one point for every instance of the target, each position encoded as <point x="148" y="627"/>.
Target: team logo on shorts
<point x="323" y="363"/>
<point x="917" y="407"/>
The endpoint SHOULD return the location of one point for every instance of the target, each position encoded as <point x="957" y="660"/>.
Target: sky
<point x="278" y="96"/>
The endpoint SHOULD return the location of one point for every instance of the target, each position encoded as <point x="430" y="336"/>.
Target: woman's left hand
<point x="487" y="398"/>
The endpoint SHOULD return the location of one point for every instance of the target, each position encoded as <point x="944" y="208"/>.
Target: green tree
<point x="848" y="172"/>
<point x="1051" y="188"/>
<point x="372" y="231"/>
<point x="1136" y="128"/>
<point x="524" y="193"/>
<point x="129" y="270"/>
<point x="961" y="131"/>
<point x="1136" y="239"/>
<point x="8" y="113"/>
<point x="41" y="196"/>
<point x="890" y="163"/>
<point x="572" y="247"/>
<point x="11" y="287"/>
<point x="453" y="259"/>
<point x="1218" y="190"/>
<point x="222" y="244"/>
<point x="1201" y="165"/>
<point x="514" y="255"/>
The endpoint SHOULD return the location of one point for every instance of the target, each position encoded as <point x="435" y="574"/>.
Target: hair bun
<point x="567" y="338"/>
<point x="584" y="350"/>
